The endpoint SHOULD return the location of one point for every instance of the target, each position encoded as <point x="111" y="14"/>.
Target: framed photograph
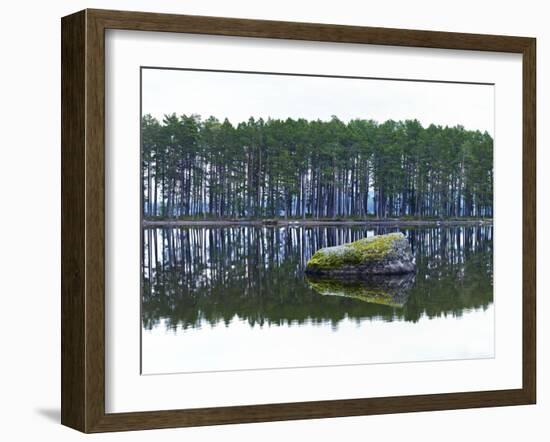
<point x="270" y="220"/>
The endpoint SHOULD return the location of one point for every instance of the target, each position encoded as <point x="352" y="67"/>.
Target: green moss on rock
<point x="375" y="248"/>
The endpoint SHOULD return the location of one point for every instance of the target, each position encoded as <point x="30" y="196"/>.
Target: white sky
<point x="239" y="96"/>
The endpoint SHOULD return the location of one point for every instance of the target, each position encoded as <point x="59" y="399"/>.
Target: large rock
<point x="376" y="255"/>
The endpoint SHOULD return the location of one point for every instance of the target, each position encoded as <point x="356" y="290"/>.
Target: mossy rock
<point x="377" y="255"/>
<point x="390" y="290"/>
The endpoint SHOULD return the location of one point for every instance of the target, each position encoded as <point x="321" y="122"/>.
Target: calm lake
<point x="236" y="297"/>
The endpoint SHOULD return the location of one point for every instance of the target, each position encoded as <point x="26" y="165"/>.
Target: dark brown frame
<point x="83" y="217"/>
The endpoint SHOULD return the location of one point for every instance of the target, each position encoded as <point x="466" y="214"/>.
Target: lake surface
<point x="236" y="297"/>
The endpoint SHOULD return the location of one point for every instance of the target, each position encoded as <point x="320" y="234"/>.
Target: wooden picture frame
<point x="83" y="220"/>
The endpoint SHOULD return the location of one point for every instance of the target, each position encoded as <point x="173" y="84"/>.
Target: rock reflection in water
<point x="391" y="290"/>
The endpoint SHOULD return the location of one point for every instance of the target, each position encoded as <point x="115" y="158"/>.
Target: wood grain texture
<point x="145" y="21"/>
<point x="73" y="129"/>
<point x="83" y="220"/>
<point x="95" y="221"/>
<point x="529" y="220"/>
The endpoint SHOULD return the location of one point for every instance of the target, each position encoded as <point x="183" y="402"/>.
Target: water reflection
<point x="392" y="290"/>
<point x="198" y="275"/>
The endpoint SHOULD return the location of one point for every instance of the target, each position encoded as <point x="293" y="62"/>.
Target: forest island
<point x="205" y="170"/>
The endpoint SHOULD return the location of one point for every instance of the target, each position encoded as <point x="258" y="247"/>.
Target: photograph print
<point x="292" y="220"/>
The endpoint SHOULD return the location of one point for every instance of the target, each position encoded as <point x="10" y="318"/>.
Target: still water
<point x="236" y="297"/>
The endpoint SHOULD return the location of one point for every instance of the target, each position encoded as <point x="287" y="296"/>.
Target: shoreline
<point x="291" y="223"/>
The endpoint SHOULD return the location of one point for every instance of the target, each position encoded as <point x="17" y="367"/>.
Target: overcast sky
<point x="238" y="96"/>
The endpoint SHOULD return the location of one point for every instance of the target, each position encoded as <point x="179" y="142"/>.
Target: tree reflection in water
<point x="198" y="275"/>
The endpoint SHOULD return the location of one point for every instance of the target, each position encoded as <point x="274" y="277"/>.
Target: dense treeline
<point x="195" y="168"/>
